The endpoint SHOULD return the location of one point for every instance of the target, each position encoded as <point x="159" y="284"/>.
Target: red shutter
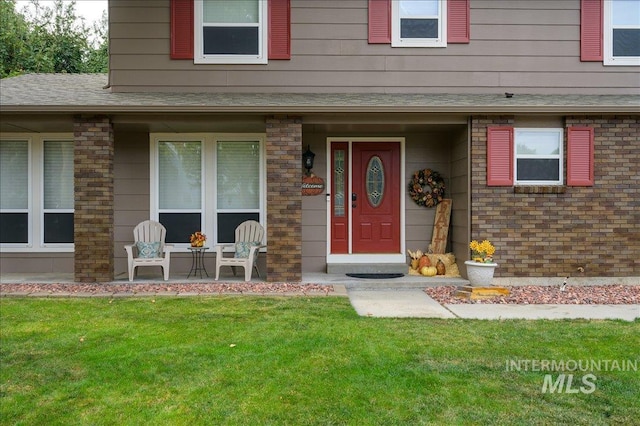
<point x="379" y="21"/>
<point x="580" y="156"/>
<point x="458" y="12"/>
<point x="181" y="29"/>
<point x="500" y="156"/>
<point x="591" y="30"/>
<point x="279" y="29"/>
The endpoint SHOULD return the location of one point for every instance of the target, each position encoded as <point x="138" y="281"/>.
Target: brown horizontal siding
<point x="139" y="30"/>
<point x="355" y="15"/>
<point x="528" y="32"/>
<point x="527" y="46"/>
<point x="477" y="48"/>
<point x="523" y="5"/>
<point x="517" y="16"/>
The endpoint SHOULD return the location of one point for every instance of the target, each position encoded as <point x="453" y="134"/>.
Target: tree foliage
<point x="50" y="40"/>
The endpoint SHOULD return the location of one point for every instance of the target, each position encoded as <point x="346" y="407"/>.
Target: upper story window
<point x="538" y="156"/>
<point x="418" y="23"/>
<point x="622" y="32"/>
<point x="230" y="31"/>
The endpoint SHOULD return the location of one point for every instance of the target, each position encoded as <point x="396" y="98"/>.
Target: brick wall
<point x="93" y="179"/>
<point x="284" y="199"/>
<point x="541" y="233"/>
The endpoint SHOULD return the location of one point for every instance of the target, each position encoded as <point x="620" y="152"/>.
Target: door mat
<point x="376" y="276"/>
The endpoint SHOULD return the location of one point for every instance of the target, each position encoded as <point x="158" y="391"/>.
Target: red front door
<point x="371" y="213"/>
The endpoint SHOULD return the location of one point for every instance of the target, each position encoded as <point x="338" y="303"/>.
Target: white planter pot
<point x="480" y="274"/>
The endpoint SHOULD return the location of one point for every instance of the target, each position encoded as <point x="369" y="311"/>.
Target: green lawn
<point x="297" y="360"/>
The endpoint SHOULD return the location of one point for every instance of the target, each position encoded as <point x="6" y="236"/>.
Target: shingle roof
<point x="86" y="93"/>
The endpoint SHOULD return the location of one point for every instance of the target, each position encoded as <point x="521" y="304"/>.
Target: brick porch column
<point x="93" y="180"/>
<point x="284" y="199"/>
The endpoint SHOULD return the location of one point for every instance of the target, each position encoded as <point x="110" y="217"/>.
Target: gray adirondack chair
<point x="249" y="238"/>
<point x="149" y="248"/>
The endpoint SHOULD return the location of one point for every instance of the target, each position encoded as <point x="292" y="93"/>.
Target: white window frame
<point x="560" y="156"/>
<point x="398" y="41"/>
<point x="609" y="59"/>
<point x="200" y="58"/>
<point x="36" y="210"/>
<point x="209" y="209"/>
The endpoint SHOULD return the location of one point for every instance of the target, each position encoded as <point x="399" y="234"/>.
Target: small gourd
<point x="429" y="271"/>
<point x="440" y="267"/>
<point x="424" y="261"/>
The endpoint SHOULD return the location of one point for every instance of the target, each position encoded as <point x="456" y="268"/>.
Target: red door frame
<point x="370" y="232"/>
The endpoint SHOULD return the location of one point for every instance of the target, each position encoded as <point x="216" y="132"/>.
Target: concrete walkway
<point x="417" y="304"/>
<point x="396" y="304"/>
<point x="499" y="311"/>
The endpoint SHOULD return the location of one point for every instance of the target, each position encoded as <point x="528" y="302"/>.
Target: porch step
<point x="367" y="268"/>
<point x="403" y="283"/>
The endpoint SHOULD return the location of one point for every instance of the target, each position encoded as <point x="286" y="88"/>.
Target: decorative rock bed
<point x="613" y="294"/>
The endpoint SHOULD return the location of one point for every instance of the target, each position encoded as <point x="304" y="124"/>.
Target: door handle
<point x="354" y="198"/>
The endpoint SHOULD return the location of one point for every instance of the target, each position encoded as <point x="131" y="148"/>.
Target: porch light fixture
<point x="307" y="160"/>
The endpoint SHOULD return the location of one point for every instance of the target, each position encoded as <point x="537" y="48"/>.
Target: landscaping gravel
<point x="613" y="294"/>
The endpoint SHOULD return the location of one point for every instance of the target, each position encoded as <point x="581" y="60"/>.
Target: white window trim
<point x="560" y="156"/>
<point x="209" y="207"/>
<point x="35" y="233"/>
<point x="397" y="41"/>
<point x="200" y="58"/>
<point x="609" y="59"/>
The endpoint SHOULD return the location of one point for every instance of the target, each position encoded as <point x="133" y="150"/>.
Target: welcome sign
<point x="312" y="185"/>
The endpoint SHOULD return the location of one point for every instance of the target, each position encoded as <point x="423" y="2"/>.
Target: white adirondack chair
<point x="249" y="241"/>
<point x="152" y="251"/>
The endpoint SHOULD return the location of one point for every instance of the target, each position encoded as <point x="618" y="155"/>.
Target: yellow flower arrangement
<point x="197" y="239"/>
<point x="482" y="252"/>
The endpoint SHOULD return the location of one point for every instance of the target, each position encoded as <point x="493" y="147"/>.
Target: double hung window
<point x="230" y="31"/>
<point x="538" y="156"/>
<point x="37" y="193"/>
<point x="209" y="183"/>
<point x="622" y="32"/>
<point x="418" y="23"/>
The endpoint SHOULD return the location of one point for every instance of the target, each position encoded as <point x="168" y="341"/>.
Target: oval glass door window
<point x="374" y="181"/>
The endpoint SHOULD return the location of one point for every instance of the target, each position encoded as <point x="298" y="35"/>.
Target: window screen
<point x="238" y="175"/>
<point x="179" y="175"/>
<point x="14" y="192"/>
<point x="180" y="188"/>
<point x="14" y="175"/>
<point x="58" y="192"/>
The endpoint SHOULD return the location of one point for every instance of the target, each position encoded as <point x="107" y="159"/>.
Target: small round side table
<point x="197" y="261"/>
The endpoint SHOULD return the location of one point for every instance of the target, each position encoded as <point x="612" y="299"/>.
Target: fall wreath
<point x="426" y="188"/>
